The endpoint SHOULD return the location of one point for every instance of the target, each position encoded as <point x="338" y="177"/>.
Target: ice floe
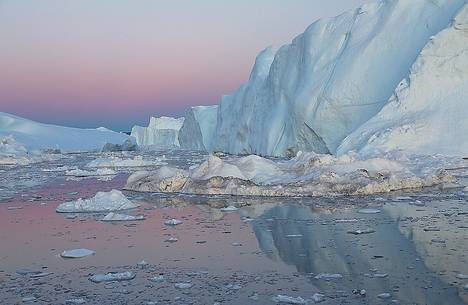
<point x="102" y="202"/>
<point x="111" y="277"/>
<point x="77" y="253"/>
<point x="111" y="216"/>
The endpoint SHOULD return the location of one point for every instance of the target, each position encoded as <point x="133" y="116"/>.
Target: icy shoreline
<point x="308" y="174"/>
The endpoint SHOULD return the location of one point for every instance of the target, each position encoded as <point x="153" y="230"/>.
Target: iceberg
<point x="102" y="202"/>
<point x="428" y="112"/>
<point x="161" y="133"/>
<point x="199" y="128"/>
<point x="311" y="94"/>
<point x="37" y="136"/>
<point x="308" y="174"/>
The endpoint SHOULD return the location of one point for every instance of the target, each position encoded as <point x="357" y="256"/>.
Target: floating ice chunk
<point x="157" y="279"/>
<point x="438" y="240"/>
<point x="77" y="253"/>
<point x="346" y="220"/>
<point x="380" y="275"/>
<point x="384" y="296"/>
<point x="84" y="173"/>
<point x="29" y="299"/>
<point x="142" y="264"/>
<point x="171" y="239"/>
<point x="75" y="301"/>
<point x="110" y="277"/>
<point x="121" y="217"/>
<point x="102" y="202"/>
<point x="40" y="274"/>
<point x="294" y="236"/>
<point x="328" y="276"/>
<point x="318" y="297"/>
<point x="230" y="208"/>
<point x="232" y="286"/>
<point x="364" y="231"/>
<point x="183" y="285"/>
<point x="288" y="300"/>
<point x="137" y="161"/>
<point x="369" y="211"/>
<point x="462" y="276"/>
<point x="173" y="222"/>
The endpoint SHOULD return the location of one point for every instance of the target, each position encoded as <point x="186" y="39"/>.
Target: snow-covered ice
<point x="284" y="299"/>
<point x="102" y="202"/>
<point x="38" y="136"/>
<point x="85" y="173"/>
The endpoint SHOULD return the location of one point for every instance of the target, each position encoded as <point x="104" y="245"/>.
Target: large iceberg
<point x="38" y="136"/>
<point x="162" y="132"/>
<point x="428" y="113"/>
<point x="311" y="94"/>
<point x="199" y="128"/>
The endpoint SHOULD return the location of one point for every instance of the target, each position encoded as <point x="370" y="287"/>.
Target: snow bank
<point x="311" y="94"/>
<point x="38" y="136"/>
<point x="161" y="132"/>
<point x="308" y="174"/>
<point x="102" y="202"/>
<point x="428" y="112"/>
<point x="199" y="128"/>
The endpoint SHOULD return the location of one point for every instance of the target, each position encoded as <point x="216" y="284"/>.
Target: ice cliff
<point x="162" y="132"/>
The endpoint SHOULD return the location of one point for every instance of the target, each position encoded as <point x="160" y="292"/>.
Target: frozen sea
<point x="398" y="248"/>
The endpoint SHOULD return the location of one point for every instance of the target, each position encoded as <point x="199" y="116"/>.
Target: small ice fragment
<point x="77" y="253"/>
<point x="438" y="240"/>
<point x="359" y="231"/>
<point x="432" y="229"/>
<point x="346" y="220"/>
<point x="183" y="285"/>
<point x="173" y="222"/>
<point x="328" y="276"/>
<point x="318" y="297"/>
<point x="233" y="287"/>
<point x="288" y="300"/>
<point x="465" y="287"/>
<point x="75" y="301"/>
<point x="230" y="208"/>
<point x="384" y="296"/>
<point x="40" y="274"/>
<point x="110" y="277"/>
<point x="71" y="216"/>
<point x="111" y="216"/>
<point x="157" y="279"/>
<point x="381" y="275"/>
<point x="462" y="276"/>
<point x="294" y="235"/>
<point x="142" y="264"/>
<point x="369" y="211"/>
<point x="236" y="244"/>
<point x="29" y="299"/>
<point x="171" y="239"/>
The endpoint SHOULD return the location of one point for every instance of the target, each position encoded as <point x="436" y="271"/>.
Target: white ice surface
<point x="38" y="136"/>
<point x="161" y="132"/>
<point x="199" y="128"/>
<point x="102" y="202"/>
<point x="428" y="112"/>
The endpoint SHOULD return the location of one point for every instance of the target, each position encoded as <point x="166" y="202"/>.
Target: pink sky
<point x="115" y="63"/>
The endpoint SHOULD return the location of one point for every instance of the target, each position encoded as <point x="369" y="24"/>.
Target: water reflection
<point x="314" y="242"/>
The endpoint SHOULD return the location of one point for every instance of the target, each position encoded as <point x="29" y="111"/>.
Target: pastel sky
<point x="113" y="63"/>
